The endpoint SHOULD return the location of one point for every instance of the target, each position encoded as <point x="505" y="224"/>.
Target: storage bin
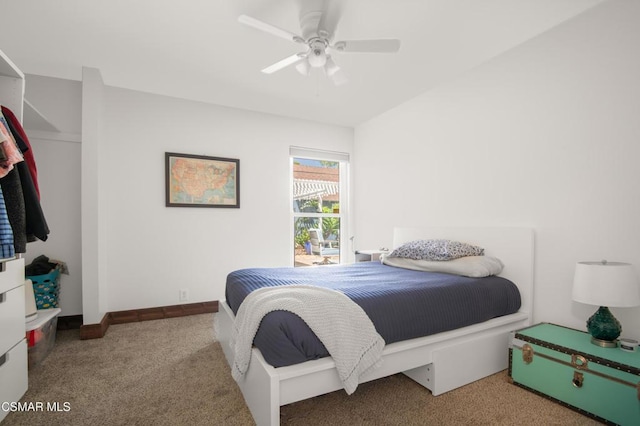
<point x="41" y="335"/>
<point x="46" y="289"/>
<point x="563" y="365"/>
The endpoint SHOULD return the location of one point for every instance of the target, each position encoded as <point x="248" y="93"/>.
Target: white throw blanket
<point x="340" y="324"/>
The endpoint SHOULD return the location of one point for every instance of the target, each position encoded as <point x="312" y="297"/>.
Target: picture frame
<point x="201" y="181"/>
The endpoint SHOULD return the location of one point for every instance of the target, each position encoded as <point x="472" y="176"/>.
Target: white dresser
<point x="13" y="345"/>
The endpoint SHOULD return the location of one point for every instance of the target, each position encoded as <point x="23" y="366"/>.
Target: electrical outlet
<point x="184" y="294"/>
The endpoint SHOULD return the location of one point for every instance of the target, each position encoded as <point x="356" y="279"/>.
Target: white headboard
<point x="513" y="246"/>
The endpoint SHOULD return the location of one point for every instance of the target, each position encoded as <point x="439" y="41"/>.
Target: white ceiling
<point x="196" y="49"/>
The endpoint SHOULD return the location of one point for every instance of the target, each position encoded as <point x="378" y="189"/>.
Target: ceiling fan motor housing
<point x="309" y="20"/>
<point x="317" y="52"/>
<point x="310" y="16"/>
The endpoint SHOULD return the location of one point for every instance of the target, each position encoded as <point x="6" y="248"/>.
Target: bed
<point x="440" y="362"/>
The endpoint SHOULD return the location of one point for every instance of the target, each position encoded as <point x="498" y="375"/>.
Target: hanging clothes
<point x="23" y="144"/>
<point x="14" y="201"/>
<point x="7" y="248"/>
<point x="21" y="198"/>
<point x="35" y="222"/>
<point x="11" y="155"/>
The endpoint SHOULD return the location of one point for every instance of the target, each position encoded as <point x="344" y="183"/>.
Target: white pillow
<point x="468" y="266"/>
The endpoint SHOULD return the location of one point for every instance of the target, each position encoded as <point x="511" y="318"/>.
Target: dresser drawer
<point x="11" y="274"/>
<point x="12" y="318"/>
<point x="13" y="375"/>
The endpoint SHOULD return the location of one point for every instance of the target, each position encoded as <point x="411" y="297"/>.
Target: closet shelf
<point x="34" y="119"/>
<point x="8" y="68"/>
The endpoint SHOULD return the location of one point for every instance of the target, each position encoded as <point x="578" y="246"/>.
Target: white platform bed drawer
<point x="12" y="321"/>
<point x="11" y="274"/>
<point x="13" y="375"/>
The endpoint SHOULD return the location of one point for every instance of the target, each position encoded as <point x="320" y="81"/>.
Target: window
<point x="319" y="206"/>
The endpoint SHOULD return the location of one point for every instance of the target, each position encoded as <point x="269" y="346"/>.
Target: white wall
<point x="546" y="135"/>
<point x="153" y="251"/>
<point x="59" y="172"/>
<point x="57" y="157"/>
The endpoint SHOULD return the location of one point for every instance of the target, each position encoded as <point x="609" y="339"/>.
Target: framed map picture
<point x="201" y="181"/>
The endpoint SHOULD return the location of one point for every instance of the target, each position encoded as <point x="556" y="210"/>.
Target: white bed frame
<point x="439" y="362"/>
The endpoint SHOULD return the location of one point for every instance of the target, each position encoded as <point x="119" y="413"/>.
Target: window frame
<point x="343" y="160"/>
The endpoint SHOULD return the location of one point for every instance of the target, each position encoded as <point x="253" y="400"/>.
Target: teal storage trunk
<point x="562" y="364"/>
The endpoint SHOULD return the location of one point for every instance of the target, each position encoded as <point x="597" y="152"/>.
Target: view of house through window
<point x="316" y="211"/>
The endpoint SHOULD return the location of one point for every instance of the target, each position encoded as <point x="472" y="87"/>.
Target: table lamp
<point x="605" y="284"/>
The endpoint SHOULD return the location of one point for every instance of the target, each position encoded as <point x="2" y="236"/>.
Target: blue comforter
<point x="402" y="304"/>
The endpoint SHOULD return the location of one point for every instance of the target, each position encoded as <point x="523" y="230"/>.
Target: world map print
<point x="198" y="181"/>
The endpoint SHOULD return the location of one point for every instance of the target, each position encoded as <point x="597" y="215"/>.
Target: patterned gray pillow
<point x="436" y="250"/>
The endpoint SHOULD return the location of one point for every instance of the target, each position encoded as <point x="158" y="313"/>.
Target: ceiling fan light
<point x="317" y="57"/>
<point x="303" y="68"/>
<point x="330" y="67"/>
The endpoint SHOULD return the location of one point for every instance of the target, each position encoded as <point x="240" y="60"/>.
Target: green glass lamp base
<point x="604" y="328"/>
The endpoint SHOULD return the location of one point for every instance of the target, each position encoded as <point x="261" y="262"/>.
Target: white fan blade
<point x="368" y="46"/>
<point x="271" y="29"/>
<point x="330" y="18"/>
<point x="293" y="59"/>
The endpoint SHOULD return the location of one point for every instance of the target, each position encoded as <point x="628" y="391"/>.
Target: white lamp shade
<point x="612" y="284"/>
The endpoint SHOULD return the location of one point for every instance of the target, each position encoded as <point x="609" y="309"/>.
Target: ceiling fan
<point x="318" y="22"/>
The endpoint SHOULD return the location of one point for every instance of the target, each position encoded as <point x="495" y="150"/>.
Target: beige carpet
<point x="172" y="372"/>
